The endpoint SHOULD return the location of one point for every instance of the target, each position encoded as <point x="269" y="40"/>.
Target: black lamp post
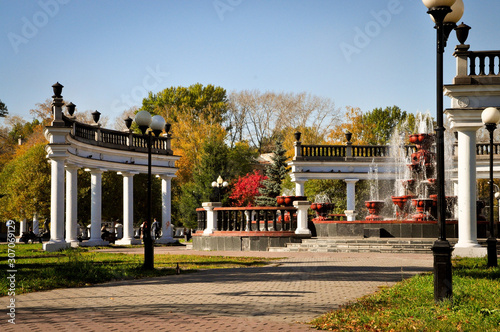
<point x="491" y="117"/>
<point x="156" y="124"/>
<point x="445" y="14"/>
<point x="219" y="184"/>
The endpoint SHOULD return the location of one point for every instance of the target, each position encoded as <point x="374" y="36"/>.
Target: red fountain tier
<point x="422" y="157"/>
<point x="423" y="206"/>
<point x="322" y="209"/>
<point x="422" y="141"/>
<point x="402" y="203"/>
<point x="374" y="208"/>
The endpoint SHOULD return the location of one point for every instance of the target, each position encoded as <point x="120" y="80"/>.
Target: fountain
<point x="374" y="205"/>
<point x="415" y="185"/>
<point x="403" y="186"/>
<point x="322" y="206"/>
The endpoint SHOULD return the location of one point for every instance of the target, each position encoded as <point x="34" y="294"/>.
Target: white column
<point x="22" y="229"/>
<point x="128" y="210"/>
<point x="71" y="204"/>
<point x="299" y="188"/>
<point x="467" y="220"/>
<point x="166" y="210"/>
<point x="23" y="226"/>
<point x="248" y="216"/>
<point x="57" y="241"/>
<point x="302" y="207"/>
<point x="211" y="216"/>
<point x="36" y="224"/>
<point x="95" y="209"/>
<point x="351" y="199"/>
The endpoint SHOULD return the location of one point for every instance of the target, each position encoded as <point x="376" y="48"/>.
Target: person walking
<point x="155" y="228"/>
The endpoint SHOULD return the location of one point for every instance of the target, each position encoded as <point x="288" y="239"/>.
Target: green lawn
<point x="410" y="306"/>
<point x="39" y="270"/>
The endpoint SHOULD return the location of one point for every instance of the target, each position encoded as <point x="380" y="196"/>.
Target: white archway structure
<point x="72" y="146"/>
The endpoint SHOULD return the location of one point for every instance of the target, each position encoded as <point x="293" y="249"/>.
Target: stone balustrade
<point x="249" y="219"/>
<point x="94" y="135"/>
<point x="477" y="67"/>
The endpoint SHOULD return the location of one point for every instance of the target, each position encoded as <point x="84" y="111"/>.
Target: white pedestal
<point x="94" y="243"/>
<point x="471" y="251"/>
<point x="127" y="242"/>
<point x="55" y="246"/>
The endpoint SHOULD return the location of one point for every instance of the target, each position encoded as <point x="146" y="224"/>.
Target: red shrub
<point x="246" y="189"/>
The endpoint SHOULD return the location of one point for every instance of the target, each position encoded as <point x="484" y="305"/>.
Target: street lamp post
<point x="156" y="124"/>
<point x="490" y="118"/>
<point x="219" y="184"/>
<point x="445" y="14"/>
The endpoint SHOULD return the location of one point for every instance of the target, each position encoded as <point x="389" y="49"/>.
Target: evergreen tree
<point x="3" y="110"/>
<point x="213" y="162"/>
<point x="276" y="173"/>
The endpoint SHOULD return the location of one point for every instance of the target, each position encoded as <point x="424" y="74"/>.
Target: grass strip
<point x="410" y="306"/>
<point x="39" y="270"/>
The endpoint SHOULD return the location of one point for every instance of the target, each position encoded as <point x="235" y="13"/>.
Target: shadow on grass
<point x="475" y="268"/>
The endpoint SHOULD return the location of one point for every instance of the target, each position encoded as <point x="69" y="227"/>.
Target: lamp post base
<point x="492" y="252"/>
<point x="442" y="270"/>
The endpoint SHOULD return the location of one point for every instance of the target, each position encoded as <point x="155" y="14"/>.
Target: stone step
<point x="360" y="245"/>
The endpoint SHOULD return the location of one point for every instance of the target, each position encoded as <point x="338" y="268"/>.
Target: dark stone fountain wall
<point x="389" y="228"/>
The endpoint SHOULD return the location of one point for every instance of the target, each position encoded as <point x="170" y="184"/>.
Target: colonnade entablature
<point x="74" y="145"/>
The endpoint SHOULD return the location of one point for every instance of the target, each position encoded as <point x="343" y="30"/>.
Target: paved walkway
<point x="280" y="297"/>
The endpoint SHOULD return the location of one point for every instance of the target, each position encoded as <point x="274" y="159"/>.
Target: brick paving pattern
<point x="281" y="297"/>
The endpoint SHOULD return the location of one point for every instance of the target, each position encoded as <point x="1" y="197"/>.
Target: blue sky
<point x="108" y="53"/>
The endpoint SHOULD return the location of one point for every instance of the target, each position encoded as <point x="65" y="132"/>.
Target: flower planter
<point x="402" y="202"/>
<point x="288" y="200"/>
<point x="322" y="209"/>
<point x="423" y="206"/>
<point x="374" y="208"/>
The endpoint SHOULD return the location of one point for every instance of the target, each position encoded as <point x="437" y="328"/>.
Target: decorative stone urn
<point x="322" y="209"/>
<point x="402" y="202"/>
<point x="423" y="206"/>
<point x="374" y="208"/>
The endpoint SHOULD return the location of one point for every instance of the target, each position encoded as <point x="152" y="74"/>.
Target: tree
<point x="86" y="117"/>
<point x="241" y="159"/>
<point x="3" y="110"/>
<point x="247" y="188"/>
<point x="214" y="162"/>
<point x="374" y="127"/>
<point x="361" y="134"/>
<point x="119" y="121"/>
<point x="43" y="111"/>
<point x="26" y="183"/>
<point x="209" y="102"/>
<point x="276" y="173"/>
<point x="384" y="121"/>
<point x="262" y="118"/>
<point x="195" y="113"/>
